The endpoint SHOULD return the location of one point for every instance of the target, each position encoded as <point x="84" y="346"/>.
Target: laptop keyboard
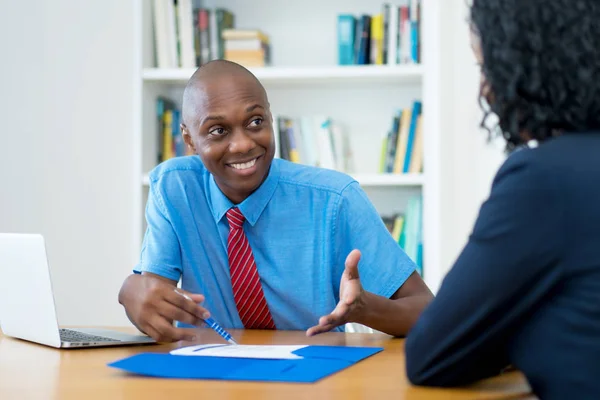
<point x="68" y="335"/>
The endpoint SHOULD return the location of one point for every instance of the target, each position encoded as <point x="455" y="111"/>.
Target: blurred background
<point x="91" y="91"/>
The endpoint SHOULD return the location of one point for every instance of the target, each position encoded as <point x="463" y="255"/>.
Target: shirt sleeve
<point x="383" y="266"/>
<point x="507" y="267"/>
<point x="160" y="252"/>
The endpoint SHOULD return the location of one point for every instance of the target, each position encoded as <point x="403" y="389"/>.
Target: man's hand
<point x="351" y="303"/>
<point x="152" y="304"/>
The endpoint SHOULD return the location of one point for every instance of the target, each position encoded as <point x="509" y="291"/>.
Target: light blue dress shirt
<point x="301" y="223"/>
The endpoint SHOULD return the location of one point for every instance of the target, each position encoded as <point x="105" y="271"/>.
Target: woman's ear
<point x="486" y="91"/>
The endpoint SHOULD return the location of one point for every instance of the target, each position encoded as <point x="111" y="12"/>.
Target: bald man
<point x="258" y="242"/>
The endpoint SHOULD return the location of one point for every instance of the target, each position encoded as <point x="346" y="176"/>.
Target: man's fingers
<point x="183" y="334"/>
<point x="197" y="298"/>
<point x="340" y="311"/>
<point x="326" y="323"/>
<point x="336" y="318"/>
<point x="339" y="316"/>
<point x="315" y="330"/>
<point x="168" y="333"/>
<point x="332" y="319"/>
<point x="352" y="294"/>
<point x="174" y="313"/>
<point x="352" y="264"/>
<point x="188" y="304"/>
<point x="150" y="331"/>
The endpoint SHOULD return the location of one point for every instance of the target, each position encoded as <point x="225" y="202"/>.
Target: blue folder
<point x="318" y="362"/>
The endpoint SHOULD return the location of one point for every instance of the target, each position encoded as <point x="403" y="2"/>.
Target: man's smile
<point x="245" y="167"/>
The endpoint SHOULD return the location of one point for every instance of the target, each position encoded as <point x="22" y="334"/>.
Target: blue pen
<point x="212" y="323"/>
<point x="217" y="328"/>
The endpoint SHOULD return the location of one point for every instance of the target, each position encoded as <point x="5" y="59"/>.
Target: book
<point x="248" y="47"/>
<point x="390" y="37"/>
<point x="346" y="33"/>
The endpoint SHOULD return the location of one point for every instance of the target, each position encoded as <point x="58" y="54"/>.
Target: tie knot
<point x="235" y="217"/>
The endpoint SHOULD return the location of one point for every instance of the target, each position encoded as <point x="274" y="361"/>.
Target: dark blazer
<point x="526" y="288"/>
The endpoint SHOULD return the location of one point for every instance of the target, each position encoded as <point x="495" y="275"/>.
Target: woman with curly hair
<point x="525" y="291"/>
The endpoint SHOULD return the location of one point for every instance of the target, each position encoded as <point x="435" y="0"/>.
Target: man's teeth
<point x="245" y="165"/>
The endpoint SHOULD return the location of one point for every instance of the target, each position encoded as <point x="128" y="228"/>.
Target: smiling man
<point x="258" y="242"/>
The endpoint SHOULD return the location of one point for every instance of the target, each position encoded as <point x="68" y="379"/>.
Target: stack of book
<point x="312" y="140"/>
<point x="389" y="38"/>
<point x="170" y="141"/>
<point x="249" y="48"/>
<point x="187" y="37"/>
<point x="402" y="148"/>
<point x="407" y="229"/>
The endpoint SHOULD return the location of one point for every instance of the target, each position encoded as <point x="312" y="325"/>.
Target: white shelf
<point x="389" y="179"/>
<point x="356" y="73"/>
<point x="414" y="180"/>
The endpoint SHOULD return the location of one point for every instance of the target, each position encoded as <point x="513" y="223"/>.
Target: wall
<point x="64" y="169"/>
<point x="469" y="160"/>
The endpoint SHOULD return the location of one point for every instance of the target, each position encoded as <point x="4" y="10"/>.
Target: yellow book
<point x="402" y="140"/>
<point x="244" y="34"/>
<point x="416" y="159"/>
<point x="294" y="156"/>
<point x="168" y="135"/>
<point x="383" y="153"/>
<point x="293" y="149"/>
<point x="397" y="230"/>
<point x="377" y="39"/>
<point x="380" y="38"/>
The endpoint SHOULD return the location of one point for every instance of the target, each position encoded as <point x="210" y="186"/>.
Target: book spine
<point x="346" y="36"/>
<point x="203" y="20"/>
<point x="386" y="32"/>
<point x="411" y="135"/>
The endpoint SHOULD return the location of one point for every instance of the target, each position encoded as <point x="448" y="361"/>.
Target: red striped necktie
<point x="245" y="282"/>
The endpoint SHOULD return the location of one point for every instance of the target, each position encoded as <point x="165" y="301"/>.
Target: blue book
<point x="419" y="236"/>
<point x="178" y="142"/>
<point x="346" y="35"/>
<point x="411" y="134"/>
<point x="363" y="35"/>
<point x="414" y="41"/>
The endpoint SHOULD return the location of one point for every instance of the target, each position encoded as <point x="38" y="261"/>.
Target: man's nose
<point x="241" y="142"/>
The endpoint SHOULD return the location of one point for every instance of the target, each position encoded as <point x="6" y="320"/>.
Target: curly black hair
<point x="541" y="63"/>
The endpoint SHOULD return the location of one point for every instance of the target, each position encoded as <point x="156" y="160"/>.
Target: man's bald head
<point x="208" y="79"/>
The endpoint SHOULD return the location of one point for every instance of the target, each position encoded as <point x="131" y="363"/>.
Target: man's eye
<point x="217" y="131"/>
<point x="256" y="122"/>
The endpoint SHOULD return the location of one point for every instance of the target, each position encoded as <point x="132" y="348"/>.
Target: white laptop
<point x="27" y="309"/>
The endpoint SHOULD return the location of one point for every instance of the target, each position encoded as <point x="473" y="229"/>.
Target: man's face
<point x="232" y="132"/>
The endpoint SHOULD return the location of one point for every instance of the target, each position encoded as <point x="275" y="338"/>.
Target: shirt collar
<point x="253" y="206"/>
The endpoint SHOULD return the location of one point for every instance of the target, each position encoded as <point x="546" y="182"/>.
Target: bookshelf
<point x="376" y="180"/>
<point x="303" y="80"/>
<point x="359" y="74"/>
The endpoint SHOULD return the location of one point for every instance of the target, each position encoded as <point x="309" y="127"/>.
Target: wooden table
<point x="31" y="371"/>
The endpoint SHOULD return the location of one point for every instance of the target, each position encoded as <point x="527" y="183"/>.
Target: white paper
<point x="274" y="352"/>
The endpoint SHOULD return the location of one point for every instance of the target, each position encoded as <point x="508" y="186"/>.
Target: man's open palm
<point x="351" y="295"/>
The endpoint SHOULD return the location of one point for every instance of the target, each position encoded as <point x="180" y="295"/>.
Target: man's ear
<point x="187" y="137"/>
